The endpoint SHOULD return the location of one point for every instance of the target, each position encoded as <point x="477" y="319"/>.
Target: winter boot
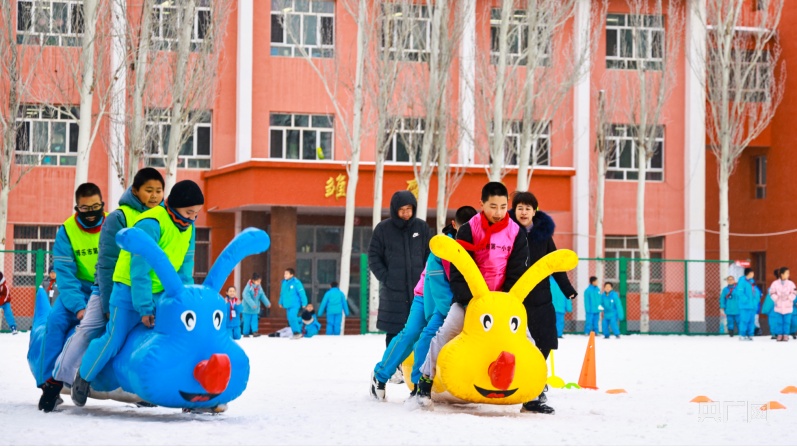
<point x="377" y="388"/>
<point x="538" y="406"/>
<point x="730" y="332"/>
<point x="80" y="390"/>
<point x="14" y="329"/>
<point x="145" y="404"/>
<point x="398" y="376"/>
<point x="424" y="394"/>
<point x="50" y="395"/>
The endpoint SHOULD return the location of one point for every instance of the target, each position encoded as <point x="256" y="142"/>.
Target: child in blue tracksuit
<point x="253" y="297"/>
<point x="137" y="289"/>
<point x="310" y="325"/>
<point x="234" y="309"/>
<point x="748" y="304"/>
<point x="612" y="311"/>
<point x="730" y="305"/>
<point x="293" y="298"/>
<point x="336" y="306"/>
<point x="561" y="305"/>
<point x="75" y="257"/>
<point x="428" y="311"/>
<point x="592" y="300"/>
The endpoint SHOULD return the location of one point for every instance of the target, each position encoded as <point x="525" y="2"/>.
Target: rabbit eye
<point x="514" y="323"/>
<point x="189" y="319"/>
<point x="487" y="321"/>
<point x="217" y="318"/>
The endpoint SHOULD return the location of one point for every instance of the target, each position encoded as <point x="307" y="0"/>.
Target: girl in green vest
<point x="136" y="286"/>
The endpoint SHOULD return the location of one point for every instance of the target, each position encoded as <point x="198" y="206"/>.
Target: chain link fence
<point x="668" y="298"/>
<point x="24" y="272"/>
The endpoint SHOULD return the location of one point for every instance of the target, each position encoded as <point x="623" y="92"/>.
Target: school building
<point x="257" y="155"/>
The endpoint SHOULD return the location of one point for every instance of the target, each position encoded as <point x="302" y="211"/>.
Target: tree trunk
<point x="724" y="222"/>
<point x="497" y="155"/>
<point x="442" y="173"/>
<point x="644" y="277"/>
<point x="5" y="190"/>
<point x="86" y="92"/>
<point x="527" y="157"/>
<point x="178" y="94"/>
<point x="138" y="124"/>
<point x="599" y="209"/>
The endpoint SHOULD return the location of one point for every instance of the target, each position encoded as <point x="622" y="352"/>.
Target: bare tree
<point x="655" y="34"/>
<point x="348" y="112"/>
<point x="19" y="57"/>
<point x="604" y="154"/>
<point x="531" y="35"/>
<point x="744" y="86"/>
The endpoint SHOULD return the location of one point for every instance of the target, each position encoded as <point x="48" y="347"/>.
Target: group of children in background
<point x="606" y="301"/>
<point x="302" y="320"/>
<point x="740" y="301"/>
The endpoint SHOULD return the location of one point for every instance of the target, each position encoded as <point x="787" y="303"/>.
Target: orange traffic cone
<point x="588" y="380"/>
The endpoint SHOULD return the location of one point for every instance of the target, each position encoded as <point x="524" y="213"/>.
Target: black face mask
<point x="84" y="217"/>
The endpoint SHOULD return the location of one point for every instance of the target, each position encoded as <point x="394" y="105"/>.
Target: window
<point x="306" y="23"/>
<point x="201" y="254"/>
<point x="622" y="144"/>
<point x="761" y="177"/>
<point x="47" y="22"/>
<point x="540" y="143"/>
<point x="406" y="139"/>
<point x="517" y="39"/>
<point x="752" y="72"/>
<point x="302" y="137"/>
<point x="47" y="136"/>
<point x="634" y="41"/>
<point x="406" y="31"/>
<point x="628" y="247"/>
<point x="759" y="265"/>
<point x="30" y="238"/>
<point x="166" y="23"/>
<point x="195" y="150"/>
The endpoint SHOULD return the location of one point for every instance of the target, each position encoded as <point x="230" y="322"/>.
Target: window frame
<point x="630" y="249"/>
<point x="409" y="126"/>
<point x="283" y="10"/>
<point x="202" y="246"/>
<point x="613" y="143"/>
<point x="518" y="26"/>
<point x="633" y="24"/>
<point x="514" y="132"/>
<point x="420" y="17"/>
<point x="66" y="115"/>
<point x="29" y="35"/>
<point x="159" y="135"/>
<point x="295" y="126"/>
<point x="760" y="179"/>
<point x="27" y="276"/>
<point x="163" y="43"/>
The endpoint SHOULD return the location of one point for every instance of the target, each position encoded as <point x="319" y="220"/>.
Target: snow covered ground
<point x="314" y="391"/>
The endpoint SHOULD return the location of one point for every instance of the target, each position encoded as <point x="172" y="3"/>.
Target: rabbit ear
<point x="557" y="261"/>
<point x="139" y="243"/>
<point x="448" y="249"/>
<point x="249" y="242"/>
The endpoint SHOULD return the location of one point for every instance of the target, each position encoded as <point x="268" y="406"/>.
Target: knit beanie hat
<point x="185" y="193"/>
<point x="2" y="279"/>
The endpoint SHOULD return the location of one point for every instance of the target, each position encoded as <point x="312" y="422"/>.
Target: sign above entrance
<point x="743" y="263"/>
<point x="335" y="186"/>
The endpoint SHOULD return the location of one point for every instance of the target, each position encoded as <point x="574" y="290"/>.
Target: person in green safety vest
<point x="137" y="288"/>
<point x="74" y="258"/>
<point x="145" y="193"/>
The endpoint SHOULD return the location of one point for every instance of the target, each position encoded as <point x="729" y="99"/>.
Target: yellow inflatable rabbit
<point x="492" y="361"/>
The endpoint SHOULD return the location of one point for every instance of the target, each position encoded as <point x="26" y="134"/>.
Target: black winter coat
<point x="397" y="256"/>
<point x="516" y="265"/>
<point x="540" y="240"/>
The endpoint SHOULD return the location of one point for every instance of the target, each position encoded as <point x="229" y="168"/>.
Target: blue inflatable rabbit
<point x="188" y="360"/>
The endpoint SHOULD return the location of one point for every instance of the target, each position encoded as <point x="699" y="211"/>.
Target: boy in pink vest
<point x="501" y="253"/>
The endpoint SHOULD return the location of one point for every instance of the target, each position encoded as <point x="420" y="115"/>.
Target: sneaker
<point x="377" y="388"/>
<point x="51" y="391"/>
<point x="537" y="407"/>
<point x="145" y="404"/>
<point x="80" y="390"/>
<point x="424" y="395"/>
<point x="617" y="336"/>
<point x="606" y="337"/>
<point x="247" y="335"/>
<point x="414" y="391"/>
<point x="398" y="376"/>
<point x="14" y="330"/>
<point x="295" y="336"/>
<point x="256" y="335"/>
<point x="774" y="337"/>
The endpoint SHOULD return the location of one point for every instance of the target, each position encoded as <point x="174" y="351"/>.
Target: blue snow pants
<point x="401" y="346"/>
<point x="59" y="323"/>
<point x="9" y="315"/>
<point x="779" y="323"/>
<point x="235" y="332"/>
<point x="610" y="321"/>
<point x="746" y="323"/>
<point x="293" y="320"/>
<point x="424" y="342"/>
<point x="733" y="321"/>
<point x="591" y="323"/>
<point x="250" y="323"/>
<point x="333" y="324"/>
<point x="560" y="324"/>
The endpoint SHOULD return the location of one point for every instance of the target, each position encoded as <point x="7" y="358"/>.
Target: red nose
<point x="213" y="374"/>
<point x="502" y="371"/>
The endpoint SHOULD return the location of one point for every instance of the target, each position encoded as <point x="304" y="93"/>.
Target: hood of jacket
<point x="130" y="200"/>
<point x="542" y="225"/>
<point x="400" y="199"/>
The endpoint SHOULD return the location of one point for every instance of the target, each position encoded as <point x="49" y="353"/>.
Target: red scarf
<point x="489" y="230"/>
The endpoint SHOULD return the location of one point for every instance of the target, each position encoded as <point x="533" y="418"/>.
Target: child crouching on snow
<point x="310" y="325"/>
